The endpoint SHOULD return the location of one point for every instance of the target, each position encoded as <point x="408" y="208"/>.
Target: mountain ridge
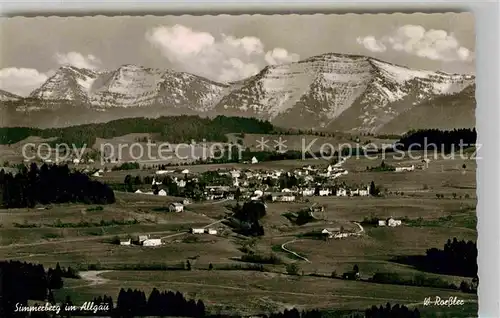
<point x="330" y="91"/>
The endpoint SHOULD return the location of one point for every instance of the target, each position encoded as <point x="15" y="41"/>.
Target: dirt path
<point x="93" y="279"/>
<point x="283" y="247"/>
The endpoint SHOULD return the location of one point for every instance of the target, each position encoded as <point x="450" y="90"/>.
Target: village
<point x="261" y="186"/>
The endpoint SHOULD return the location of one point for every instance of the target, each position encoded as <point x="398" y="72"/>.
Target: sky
<point x="227" y="48"/>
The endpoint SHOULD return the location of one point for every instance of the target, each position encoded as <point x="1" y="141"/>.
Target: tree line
<point x="51" y="184"/>
<point x="174" y="129"/>
<point x="22" y="281"/>
<point x="458" y="258"/>
<point x="442" y="140"/>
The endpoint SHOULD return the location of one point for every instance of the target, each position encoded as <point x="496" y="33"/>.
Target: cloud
<point x="280" y="56"/>
<point x="433" y="44"/>
<point x="21" y="81"/>
<point x="226" y="58"/>
<point x="78" y="60"/>
<point x="371" y="44"/>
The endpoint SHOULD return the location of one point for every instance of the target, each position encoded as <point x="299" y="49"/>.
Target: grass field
<point x="429" y="222"/>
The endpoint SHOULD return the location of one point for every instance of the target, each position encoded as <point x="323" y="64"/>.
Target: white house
<point x="405" y="169"/>
<point x="176" y="207"/>
<point x="138" y="191"/>
<point x="185" y="171"/>
<point x="341" y="235"/>
<point x="212" y="231"/>
<point x="282" y="197"/>
<point x="382" y="223"/>
<point x="125" y="242"/>
<point x="324" y="192"/>
<point x="197" y="231"/>
<point x="160" y="172"/>
<point x="341" y="193"/>
<point x="96" y="174"/>
<point x="307" y="192"/>
<point x="258" y="193"/>
<point x="364" y="192"/>
<point x="392" y="222"/>
<point x="151" y="242"/>
<point x="142" y="238"/>
<point x="254" y="160"/>
<point x="162" y="193"/>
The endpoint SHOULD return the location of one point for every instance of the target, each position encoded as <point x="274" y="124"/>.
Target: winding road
<point x="283" y="247"/>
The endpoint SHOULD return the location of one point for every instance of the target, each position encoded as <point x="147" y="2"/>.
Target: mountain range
<point x="334" y="92"/>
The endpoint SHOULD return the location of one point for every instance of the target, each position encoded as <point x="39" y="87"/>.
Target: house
<point x="125" y="242"/>
<point x="142" y="238"/>
<point x="160" y="172"/>
<point x="212" y="231"/>
<point x="96" y="174"/>
<point x="392" y="222"/>
<point x="176" y="207"/>
<point x="162" y="193"/>
<point x="405" y="169"/>
<point x="185" y="171"/>
<point x="254" y="160"/>
<point x="197" y="231"/>
<point x="341" y="235"/>
<point x="258" y="193"/>
<point x="324" y="192"/>
<point x="364" y="192"/>
<point x="382" y="223"/>
<point x="307" y="192"/>
<point x="138" y="192"/>
<point x="155" y="182"/>
<point x="151" y="242"/>
<point x="341" y="193"/>
<point x="282" y="197"/>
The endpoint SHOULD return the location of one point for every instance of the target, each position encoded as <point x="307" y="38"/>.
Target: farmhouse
<point x="176" y="207"/>
<point x="392" y="222"/>
<point x="341" y="193"/>
<point x="125" y="242"/>
<point x="151" y="242"/>
<point x="282" y="197"/>
<point x="160" y="172"/>
<point x="341" y="235"/>
<point x="307" y="192"/>
<point x="212" y="231"/>
<point x="162" y="193"/>
<point x="324" y="192"/>
<point x="138" y="191"/>
<point x="405" y="169"/>
<point x="197" y="231"/>
<point x="382" y="223"/>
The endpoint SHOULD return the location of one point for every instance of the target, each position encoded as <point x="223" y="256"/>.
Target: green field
<point x="429" y="222"/>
